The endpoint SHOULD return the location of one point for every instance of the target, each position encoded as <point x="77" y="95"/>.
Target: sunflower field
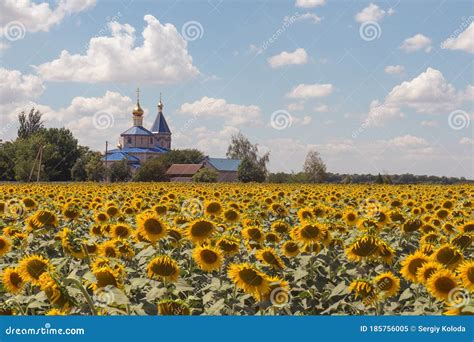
<point x="236" y="249"/>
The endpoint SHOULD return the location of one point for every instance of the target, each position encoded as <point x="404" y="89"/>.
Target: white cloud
<point x="321" y="109"/>
<point x="299" y="56"/>
<point x="464" y="41"/>
<point x="306" y="91"/>
<point x="305" y="120"/>
<point x="466" y="141"/>
<point x="428" y="93"/>
<point x="394" y="69"/>
<point x="233" y="114"/>
<point x="39" y="16"/>
<point x="370" y="13"/>
<point x="417" y="42"/>
<point x="311" y="17"/>
<point x="309" y="3"/>
<point x="212" y="143"/>
<point x="407" y="141"/>
<point x="16" y="87"/>
<point x="162" y="58"/>
<point x="295" y="106"/>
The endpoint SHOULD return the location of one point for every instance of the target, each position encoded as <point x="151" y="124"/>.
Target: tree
<point x="206" y="175"/>
<point x="94" y="166"/>
<point x="241" y="148"/>
<point x="279" y="177"/>
<point x="7" y="161"/>
<point x="314" y="167"/>
<point x="78" y="171"/>
<point x="153" y="170"/>
<point x="248" y="171"/>
<point x="120" y="171"/>
<point x="30" y="124"/>
<point x="185" y="156"/>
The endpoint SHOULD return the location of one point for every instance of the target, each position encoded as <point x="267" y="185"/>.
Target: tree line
<point x="53" y="154"/>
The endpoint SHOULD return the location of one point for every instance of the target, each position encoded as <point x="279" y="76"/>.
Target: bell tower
<point x="160" y="128"/>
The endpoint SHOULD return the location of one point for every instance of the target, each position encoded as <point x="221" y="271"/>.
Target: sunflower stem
<point x="86" y="295"/>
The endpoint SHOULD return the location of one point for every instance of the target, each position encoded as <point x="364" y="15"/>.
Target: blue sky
<point x="400" y="100"/>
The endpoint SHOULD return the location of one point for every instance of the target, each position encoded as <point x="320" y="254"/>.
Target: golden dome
<point x="138" y="111"/>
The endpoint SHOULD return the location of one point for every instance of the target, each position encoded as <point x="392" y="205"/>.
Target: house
<point x="183" y="172"/>
<point x="226" y="168"/>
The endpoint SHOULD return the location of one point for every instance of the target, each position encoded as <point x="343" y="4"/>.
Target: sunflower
<point x="427" y="270"/>
<point x="366" y="246"/>
<point x="249" y="279"/>
<point x="280" y="227"/>
<point x="200" y="230"/>
<point x="466" y="273"/>
<point x="208" y="258"/>
<point x="468" y="227"/>
<point x="411" y="225"/>
<point x="71" y="211"/>
<point x="108" y="249"/>
<point x="279" y="292"/>
<point x="386" y="252"/>
<point x="231" y="215"/>
<point x="364" y="289"/>
<point x="169" y="307"/>
<point x="120" y="231"/>
<point x="5" y="245"/>
<point x="213" y="208"/>
<point x="448" y="255"/>
<point x="387" y="283"/>
<point x="71" y="244"/>
<point x="462" y="241"/>
<point x="12" y="280"/>
<point x="310" y="233"/>
<point x="101" y="217"/>
<point x="112" y="210"/>
<point x="291" y="249"/>
<point x="269" y="257"/>
<point x="32" y="267"/>
<point x="150" y="227"/>
<point x="56" y="295"/>
<point x="163" y="267"/>
<point x="56" y="312"/>
<point x="350" y="217"/>
<point x="411" y="264"/>
<point x="106" y="276"/>
<point x="42" y="219"/>
<point x="253" y="234"/>
<point x="305" y="214"/>
<point x="441" y="283"/>
<point x="229" y="245"/>
<point x="95" y="230"/>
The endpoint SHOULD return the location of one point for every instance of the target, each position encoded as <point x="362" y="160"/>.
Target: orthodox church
<point x="138" y="144"/>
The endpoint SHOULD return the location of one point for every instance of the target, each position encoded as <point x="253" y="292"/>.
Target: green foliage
<point x="88" y="167"/>
<point x="252" y="168"/>
<point x="153" y="170"/>
<point x="30" y="124"/>
<point x="7" y="161"/>
<point x="185" y="156"/>
<point x="248" y="171"/>
<point x="314" y="167"/>
<point x="241" y="148"/>
<point x="94" y="166"/>
<point x="206" y="175"/>
<point x="120" y="171"/>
